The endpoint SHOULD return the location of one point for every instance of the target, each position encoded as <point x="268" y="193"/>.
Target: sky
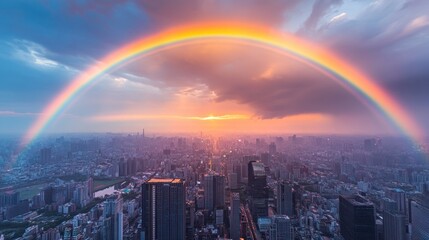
<point x="215" y="86"/>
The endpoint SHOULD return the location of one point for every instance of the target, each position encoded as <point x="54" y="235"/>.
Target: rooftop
<point x="165" y="180"/>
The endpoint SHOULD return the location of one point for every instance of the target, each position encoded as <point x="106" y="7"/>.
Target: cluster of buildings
<point x="228" y="188"/>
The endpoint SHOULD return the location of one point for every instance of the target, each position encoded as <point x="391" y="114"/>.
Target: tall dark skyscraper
<point x="284" y="199"/>
<point x="163" y="209"/>
<point x="234" y="217"/>
<point x="214" y="192"/>
<point x="258" y="189"/>
<point x="357" y="218"/>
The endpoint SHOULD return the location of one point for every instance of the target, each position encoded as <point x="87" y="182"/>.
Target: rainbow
<point x="348" y="75"/>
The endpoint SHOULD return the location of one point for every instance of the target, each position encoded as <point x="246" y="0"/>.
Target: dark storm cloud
<point x="274" y="86"/>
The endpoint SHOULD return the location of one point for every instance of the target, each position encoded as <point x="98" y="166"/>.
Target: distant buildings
<point x="163" y="209"/>
<point x="357" y="218"/>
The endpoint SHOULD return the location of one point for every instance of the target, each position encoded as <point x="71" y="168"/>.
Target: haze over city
<point x="213" y="119"/>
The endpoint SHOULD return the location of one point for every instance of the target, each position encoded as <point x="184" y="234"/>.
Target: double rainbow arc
<point x="347" y="74"/>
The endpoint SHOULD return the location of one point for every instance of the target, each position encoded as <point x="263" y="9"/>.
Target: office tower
<point x="394" y="223"/>
<point x="258" y="189"/>
<point x="47" y="194"/>
<point x="80" y="196"/>
<point x="214" y="192"/>
<point x="397" y="195"/>
<point x="245" y="165"/>
<point x="284" y="198"/>
<point x="394" y="226"/>
<point x="90" y="186"/>
<point x="190" y="219"/>
<point x="163" y="209"/>
<point x="357" y="218"/>
<point x="234" y="217"/>
<point x="280" y="228"/>
<point x="123" y="167"/>
<point x="113" y="218"/>
<point x="233" y="181"/>
<point x="419" y="220"/>
<point x="131" y="167"/>
<point x="9" y="198"/>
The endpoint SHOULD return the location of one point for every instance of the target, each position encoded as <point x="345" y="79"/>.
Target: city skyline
<point x="216" y="85"/>
<point x="214" y="120"/>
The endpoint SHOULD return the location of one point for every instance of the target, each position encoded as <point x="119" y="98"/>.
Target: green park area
<point x="27" y="192"/>
<point x="104" y="183"/>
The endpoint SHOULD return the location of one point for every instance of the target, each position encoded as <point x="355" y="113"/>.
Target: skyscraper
<point x="234" y="217"/>
<point x="280" y="228"/>
<point x="357" y="218"/>
<point x="113" y="218"/>
<point x="163" y="209"/>
<point x="258" y="189"/>
<point x="214" y="192"/>
<point x="394" y="223"/>
<point x="419" y="220"/>
<point x="233" y="180"/>
<point x="284" y="199"/>
<point x="394" y="226"/>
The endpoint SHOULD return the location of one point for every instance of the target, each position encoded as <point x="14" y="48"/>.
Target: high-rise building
<point x="163" y="209"/>
<point x="234" y="217"/>
<point x="284" y="198"/>
<point x="419" y="220"/>
<point x="258" y="189"/>
<point x="357" y="218"/>
<point x="9" y="198"/>
<point x="233" y="180"/>
<point x="394" y="226"/>
<point x="90" y="186"/>
<point x="113" y="218"/>
<point x="280" y="228"/>
<point x="394" y="222"/>
<point x="81" y="196"/>
<point x="214" y="192"/>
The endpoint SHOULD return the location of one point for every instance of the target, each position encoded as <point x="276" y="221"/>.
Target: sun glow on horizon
<point x="136" y="117"/>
